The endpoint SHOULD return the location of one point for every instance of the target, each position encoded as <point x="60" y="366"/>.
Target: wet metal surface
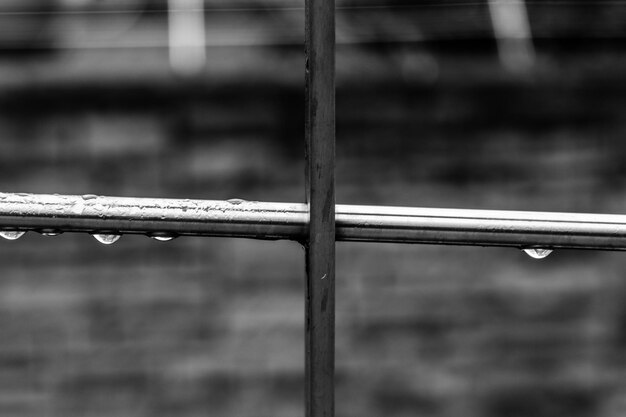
<point x="263" y="220"/>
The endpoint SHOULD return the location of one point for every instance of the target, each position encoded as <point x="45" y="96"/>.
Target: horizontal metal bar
<point x="91" y="213"/>
<point x="262" y="220"/>
<point x="522" y="229"/>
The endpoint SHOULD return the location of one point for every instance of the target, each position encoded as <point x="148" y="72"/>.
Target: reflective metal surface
<point x="263" y="220"/>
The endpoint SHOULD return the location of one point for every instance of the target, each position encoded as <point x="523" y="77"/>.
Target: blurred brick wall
<point x="215" y="326"/>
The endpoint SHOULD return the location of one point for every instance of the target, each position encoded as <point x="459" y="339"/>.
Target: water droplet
<point x="236" y="201"/>
<point x="537" y="253"/>
<point x="11" y="234"/>
<point x="50" y="232"/>
<point x="78" y="207"/>
<point x="89" y="196"/>
<point x="162" y="237"/>
<point x="107" y="239"/>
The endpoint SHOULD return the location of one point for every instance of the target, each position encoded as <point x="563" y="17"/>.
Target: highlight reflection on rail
<point x="164" y="219"/>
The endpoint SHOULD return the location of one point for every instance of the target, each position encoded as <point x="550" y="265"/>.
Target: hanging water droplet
<point x="107" y="239"/>
<point x="11" y="234"/>
<point x="162" y="237"/>
<point x="50" y="232"/>
<point x="537" y="253"/>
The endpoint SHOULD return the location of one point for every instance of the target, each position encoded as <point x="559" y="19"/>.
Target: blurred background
<point x="499" y="104"/>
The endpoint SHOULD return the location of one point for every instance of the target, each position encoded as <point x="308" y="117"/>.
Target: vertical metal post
<point x="320" y="182"/>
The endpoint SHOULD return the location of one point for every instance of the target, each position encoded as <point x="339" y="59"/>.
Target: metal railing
<point x="317" y="224"/>
<point x="264" y="220"/>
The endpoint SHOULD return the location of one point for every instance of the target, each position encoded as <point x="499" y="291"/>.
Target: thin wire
<point x="299" y="8"/>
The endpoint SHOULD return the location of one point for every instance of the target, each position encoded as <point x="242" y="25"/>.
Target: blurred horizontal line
<point x="258" y="38"/>
<point x="295" y="41"/>
<point x="298" y="8"/>
<point x="264" y="220"/>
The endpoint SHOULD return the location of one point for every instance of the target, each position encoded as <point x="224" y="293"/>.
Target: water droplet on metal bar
<point x="11" y="234"/>
<point x="50" y="232"/>
<point x="162" y="237"/>
<point x="106" y="239"/>
<point x="537" y="253"/>
<point x="236" y="201"/>
<point x="78" y="207"/>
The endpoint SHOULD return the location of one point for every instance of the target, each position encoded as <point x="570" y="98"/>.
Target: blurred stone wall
<point x="203" y="326"/>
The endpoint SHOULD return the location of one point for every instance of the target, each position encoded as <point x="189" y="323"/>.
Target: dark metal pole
<point x="320" y="179"/>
